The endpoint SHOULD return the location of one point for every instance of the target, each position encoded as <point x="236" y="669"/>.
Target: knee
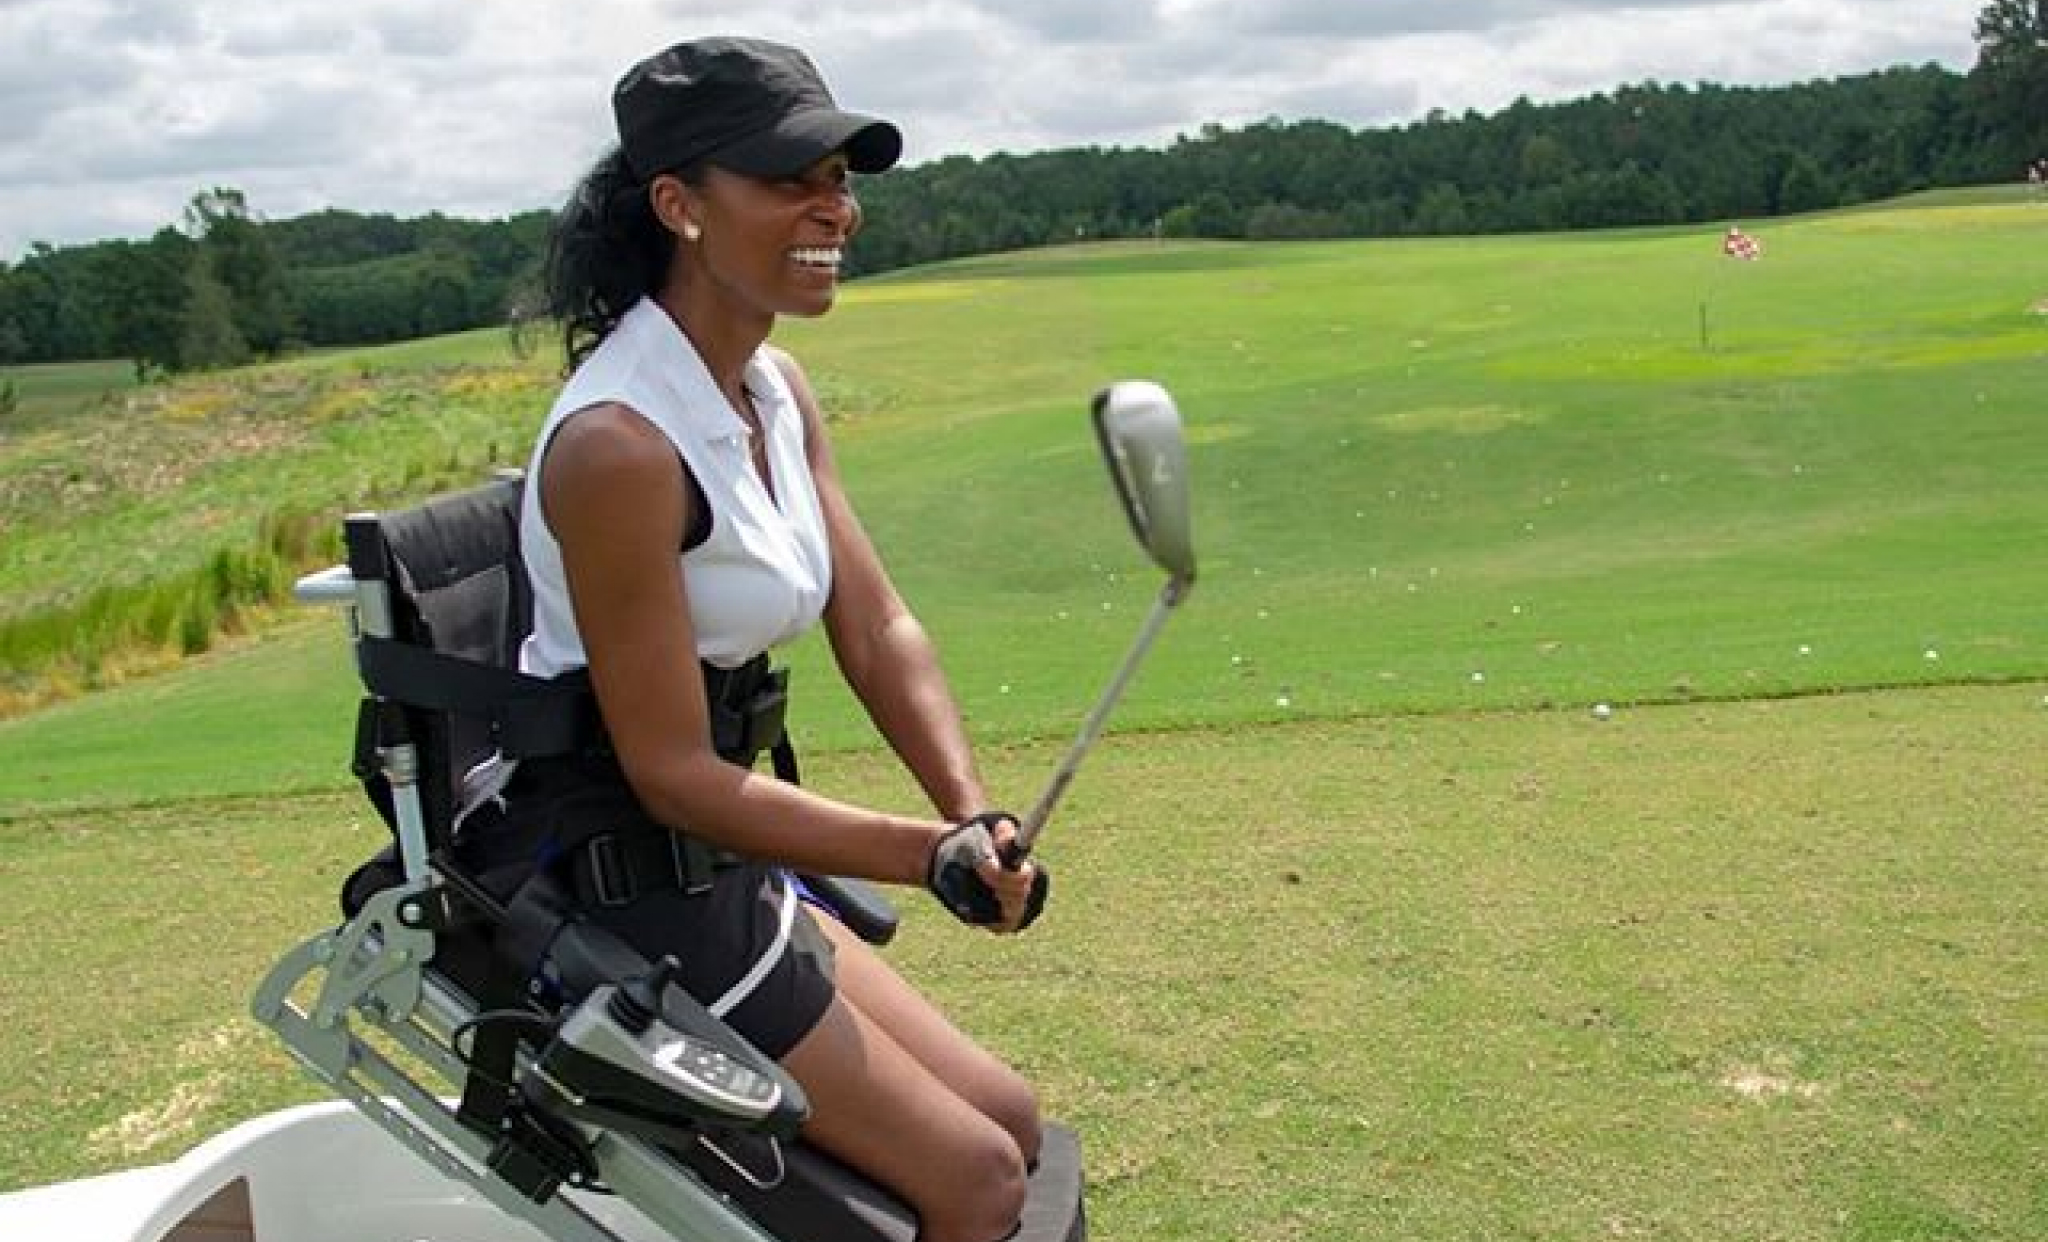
<point x="984" y="1197"/>
<point x="1015" y="1109"/>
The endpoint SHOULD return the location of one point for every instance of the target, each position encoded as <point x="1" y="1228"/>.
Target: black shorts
<point x="749" y="949"/>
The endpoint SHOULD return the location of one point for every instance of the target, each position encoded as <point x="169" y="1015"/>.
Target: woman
<point x="727" y="204"/>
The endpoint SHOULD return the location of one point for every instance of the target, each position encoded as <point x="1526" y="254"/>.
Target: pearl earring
<point x="690" y="231"/>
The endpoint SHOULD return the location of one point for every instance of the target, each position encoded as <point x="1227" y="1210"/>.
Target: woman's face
<point x="774" y="244"/>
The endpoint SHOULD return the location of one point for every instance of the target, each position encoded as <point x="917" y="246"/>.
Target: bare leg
<point x="871" y="985"/>
<point x="877" y="1107"/>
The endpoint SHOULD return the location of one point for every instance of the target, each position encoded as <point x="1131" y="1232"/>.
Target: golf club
<point x="1138" y="427"/>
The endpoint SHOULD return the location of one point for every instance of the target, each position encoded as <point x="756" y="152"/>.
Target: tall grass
<point x="126" y="628"/>
<point x="144" y="529"/>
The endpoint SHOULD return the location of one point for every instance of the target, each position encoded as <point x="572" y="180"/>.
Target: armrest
<point x="333" y="585"/>
<point x="866" y="912"/>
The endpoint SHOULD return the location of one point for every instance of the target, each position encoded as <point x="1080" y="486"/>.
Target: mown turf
<point x="1758" y="970"/>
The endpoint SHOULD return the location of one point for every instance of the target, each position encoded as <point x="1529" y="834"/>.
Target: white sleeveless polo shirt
<point x="764" y="574"/>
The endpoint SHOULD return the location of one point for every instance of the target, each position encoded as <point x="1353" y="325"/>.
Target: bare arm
<point x="882" y="650"/>
<point x="614" y="496"/>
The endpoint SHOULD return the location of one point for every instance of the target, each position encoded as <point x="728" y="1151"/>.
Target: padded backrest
<point x="456" y="561"/>
<point x="458" y="587"/>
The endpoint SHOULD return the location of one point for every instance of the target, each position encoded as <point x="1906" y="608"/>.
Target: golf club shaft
<point x="1027" y="833"/>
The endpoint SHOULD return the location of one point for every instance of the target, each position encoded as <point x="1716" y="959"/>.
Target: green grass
<point x="119" y="523"/>
<point x="1756" y="970"/>
<point x="250" y="720"/>
<point x="1414" y="462"/>
<point x="1365" y="927"/>
<point x="1419" y="461"/>
<point x="1959" y="196"/>
<point x="50" y="393"/>
<point x="193" y="466"/>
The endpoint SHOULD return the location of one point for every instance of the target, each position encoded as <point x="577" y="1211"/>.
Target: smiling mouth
<point x="825" y="257"/>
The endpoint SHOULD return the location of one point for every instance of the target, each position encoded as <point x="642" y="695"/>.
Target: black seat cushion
<point x="820" y="1197"/>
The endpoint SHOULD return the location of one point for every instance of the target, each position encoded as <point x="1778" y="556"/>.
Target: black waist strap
<point x="614" y="869"/>
<point x="608" y="850"/>
<point x="534" y="717"/>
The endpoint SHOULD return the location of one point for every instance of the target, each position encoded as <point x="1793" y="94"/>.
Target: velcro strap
<point x="614" y="869"/>
<point x="533" y="916"/>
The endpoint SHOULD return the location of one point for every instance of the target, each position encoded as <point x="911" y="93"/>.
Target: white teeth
<point x="816" y="256"/>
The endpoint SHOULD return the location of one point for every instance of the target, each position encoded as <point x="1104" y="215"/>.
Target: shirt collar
<point x="682" y="369"/>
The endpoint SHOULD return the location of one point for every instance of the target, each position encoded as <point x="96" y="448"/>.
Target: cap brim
<point x="801" y="139"/>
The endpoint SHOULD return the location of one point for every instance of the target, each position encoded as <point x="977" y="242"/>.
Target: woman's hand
<point x="968" y="877"/>
<point x="1021" y="889"/>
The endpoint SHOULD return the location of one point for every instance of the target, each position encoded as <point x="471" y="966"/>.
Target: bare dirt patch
<point x="1755" y="1084"/>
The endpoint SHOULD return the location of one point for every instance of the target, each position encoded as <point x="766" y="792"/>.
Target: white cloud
<point x="114" y="112"/>
<point x="1315" y="19"/>
<point x="1078" y="21"/>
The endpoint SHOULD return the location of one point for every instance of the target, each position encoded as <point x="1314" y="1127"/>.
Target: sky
<point x="114" y="113"/>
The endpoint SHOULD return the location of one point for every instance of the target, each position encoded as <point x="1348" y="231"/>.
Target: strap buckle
<point x="692" y="862"/>
<point x="748" y="706"/>
<point x="605" y="871"/>
<point x="616" y="871"/>
<point x="765" y="713"/>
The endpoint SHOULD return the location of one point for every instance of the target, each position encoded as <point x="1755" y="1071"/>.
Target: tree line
<point x="224" y="284"/>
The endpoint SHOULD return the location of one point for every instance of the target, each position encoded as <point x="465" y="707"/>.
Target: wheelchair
<point x="522" y="1051"/>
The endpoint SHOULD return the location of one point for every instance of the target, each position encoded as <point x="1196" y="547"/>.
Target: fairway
<point x="1366" y="926"/>
<point x="1747" y="970"/>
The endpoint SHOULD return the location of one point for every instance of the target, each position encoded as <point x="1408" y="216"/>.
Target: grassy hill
<point x="1429" y="475"/>
<point x="1358" y="933"/>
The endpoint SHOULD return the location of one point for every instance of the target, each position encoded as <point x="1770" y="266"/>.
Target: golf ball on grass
<point x="1602" y="711"/>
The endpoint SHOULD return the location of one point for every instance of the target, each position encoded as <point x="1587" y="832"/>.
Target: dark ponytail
<point x="606" y="251"/>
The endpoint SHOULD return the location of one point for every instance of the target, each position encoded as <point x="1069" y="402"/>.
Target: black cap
<point x="743" y="104"/>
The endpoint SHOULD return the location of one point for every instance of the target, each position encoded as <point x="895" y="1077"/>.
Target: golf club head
<point x="1138" y="427"/>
